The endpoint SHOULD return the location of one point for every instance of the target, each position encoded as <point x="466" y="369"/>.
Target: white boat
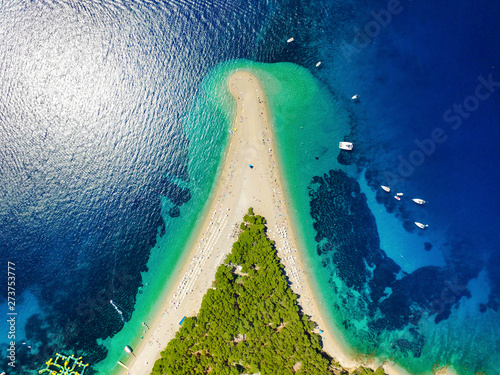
<point x="420" y="225"/>
<point x="345" y="146"/>
<point x="397" y="197"/>
<point x="318" y="64"/>
<point x="121" y="364"/>
<point x="289" y="40"/>
<point x="386" y="188"/>
<point x="399" y="194"/>
<point x="129" y="350"/>
<point x="355" y="97"/>
<point x="418" y="201"/>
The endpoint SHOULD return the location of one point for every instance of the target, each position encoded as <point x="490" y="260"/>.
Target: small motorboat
<point x="289" y="40"/>
<point x="399" y="194"/>
<point x="420" y="225"/>
<point x="386" y="188"/>
<point x="418" y="201"/>
<point x="121" y="364"/>
<point x="345" y="146"/>
<point x="129" y="350"/>
<point x="318" y="64"/>
<point x="397" y="197"/>
<point x="355" y="97"/>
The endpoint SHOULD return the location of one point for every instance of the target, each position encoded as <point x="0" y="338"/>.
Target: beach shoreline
<point x="250" y="177"/>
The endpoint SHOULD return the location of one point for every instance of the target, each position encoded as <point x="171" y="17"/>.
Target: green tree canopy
<point x="250" y="321"/>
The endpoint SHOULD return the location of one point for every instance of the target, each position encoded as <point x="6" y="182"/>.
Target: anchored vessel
<point x="129" y="350"/>
<point x="418" y="201"/>
<point x="386" y="188"/>
<point x="345" y="146"/>
<point x="420" y="225"/>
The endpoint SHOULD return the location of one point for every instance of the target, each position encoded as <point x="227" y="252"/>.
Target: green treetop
<point x="250" y="321"/>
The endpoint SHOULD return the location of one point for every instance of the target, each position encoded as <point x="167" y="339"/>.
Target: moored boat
<point x="420" y="225"/>
<point x="355" y="97"/>
<point x="397" y="197"/>
<point x="386" y="188"/>
<point x="318" y="64"/>
<point x="128" y="349"/>
<point x="399" y="194"/>
<point x="289" y="40"/>
<point x="418" y="201"/>
<point x="121" y="364"/>
<point x="345" y="146"/>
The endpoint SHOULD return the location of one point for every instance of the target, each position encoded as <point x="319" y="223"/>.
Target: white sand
<point x="240" y="187"/>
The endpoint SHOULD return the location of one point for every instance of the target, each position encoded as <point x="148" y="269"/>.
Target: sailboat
<point x="420" y="225"/>
<point x="418" y="201"/>
<point x="386" y="188"/>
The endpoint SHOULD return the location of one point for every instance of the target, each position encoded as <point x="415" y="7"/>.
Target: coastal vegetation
<point x="249" y="321"/>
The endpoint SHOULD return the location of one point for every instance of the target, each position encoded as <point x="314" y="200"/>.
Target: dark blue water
<point x="92" y="98"/>
<point x="435" y="69"/>
<point x="428" y="123"/>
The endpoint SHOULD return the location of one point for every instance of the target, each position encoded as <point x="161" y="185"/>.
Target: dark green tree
<point x="250" y="322"/>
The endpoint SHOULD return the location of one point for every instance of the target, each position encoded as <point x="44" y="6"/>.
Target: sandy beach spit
<point x="250" y="178"/>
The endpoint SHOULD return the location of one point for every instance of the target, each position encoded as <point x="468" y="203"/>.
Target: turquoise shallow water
<point x="295" y="100"/>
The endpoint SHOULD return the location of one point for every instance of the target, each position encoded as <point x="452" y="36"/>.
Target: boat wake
<point x="117" y="310"/>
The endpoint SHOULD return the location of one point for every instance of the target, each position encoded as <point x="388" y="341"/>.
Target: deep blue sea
<point x="95" y="165"/>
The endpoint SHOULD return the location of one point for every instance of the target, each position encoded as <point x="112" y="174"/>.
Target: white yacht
<point x="397" y="197"/>
<point x="418" y="201"/>
<point x="129" y="350"/>
<point x="355" y="97"/>
<point x="289" y="40"/>
<point x="318" y="64"/>
<point x="399" y="194"/>
<point x="345" y="146"/>
<point x="420" y="225"/>
<point x="386" y="188"/>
